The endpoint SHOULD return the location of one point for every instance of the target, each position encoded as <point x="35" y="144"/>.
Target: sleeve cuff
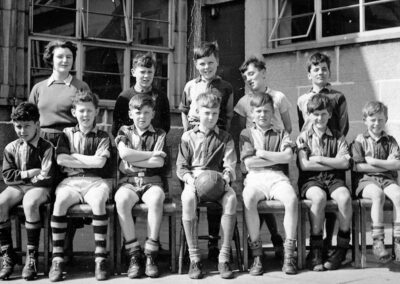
<point x="24" y="174"/>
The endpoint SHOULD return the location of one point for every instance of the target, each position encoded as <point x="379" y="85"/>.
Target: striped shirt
<point x="94" y="143"/>
<point x="213" y="151"/>
<point x="385" y="148"/>
<point x="20" y="156"/>
<point x="149" y="140"/>
<point x="254" y="138"/>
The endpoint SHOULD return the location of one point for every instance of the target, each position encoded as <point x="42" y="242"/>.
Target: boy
<point x="376" y="157"/>
<point x="141" y="148"/>
<point x="254" y="74"/>
<point x="206" y="59"/>
<point x="323" y="158"/>
<point x="143" y="70"/>
<point x="319" y="73"/>
<point x="82" y="153"/>
<point x="263" y="151"/>
<point x="28" y="172"/>
<point x="206" y="147"/>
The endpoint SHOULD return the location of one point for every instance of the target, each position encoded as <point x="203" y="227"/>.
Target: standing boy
<point x="28" y="172"/>
<point x="206" y="147"/>
<point x="141" y="148"/>
<point x="206" y="59"/>
<point x="376" y="157"/>
<point x="143" y="70"/>
<point x="323" y="158"/>
<point x="319" y="73"/>
<point x="263" y="152"/>
<point x="254" y="74"/>
<point x="82" y="152"/>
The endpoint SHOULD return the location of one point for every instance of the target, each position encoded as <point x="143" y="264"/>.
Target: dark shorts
<point x="381" y="182"/>
<point x="328" y="184"/>
<point x="140" y="184"/>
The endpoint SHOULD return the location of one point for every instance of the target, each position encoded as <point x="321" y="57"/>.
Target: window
<point x="323" y="20"/>
<point x="108" y="34"/>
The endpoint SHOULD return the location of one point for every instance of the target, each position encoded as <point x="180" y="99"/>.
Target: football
<point x="210" y="186"/>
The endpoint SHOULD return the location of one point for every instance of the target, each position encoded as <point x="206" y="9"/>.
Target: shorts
<point x="82" y="185"/>
<point x="381" y="182"/>
<point x="328" y="183"/>
<point x="140" y="184"/>
<point x="268" y="181"/>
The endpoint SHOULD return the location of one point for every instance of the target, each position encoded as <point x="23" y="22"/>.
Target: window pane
<point x="329" y="4"/>
<point x="37" y="50"/>
<point x="110" y="7"/>
<point x="150" y="32"/>
<point x="299" y="7"/>
<point x="382" y="16"/>
<point x="103" y="26"/>
<point x="105" y="19"/>
<point x="340" y="22"/>
<point x="151" y="9"/>
<point x="161" y="69"/>
<point x="291" y="27"/>
<point x="38" y="75"/>
<point x="106" y="86"/>
<point x="161" y="85"/>
<point x="103" y="59"/>
<point x="52" y="20"/>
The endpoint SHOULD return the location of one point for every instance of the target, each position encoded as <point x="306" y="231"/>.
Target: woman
<point x="53" y="96"/>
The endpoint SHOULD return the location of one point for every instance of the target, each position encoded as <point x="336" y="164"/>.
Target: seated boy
<point x="28" y="172"/>
<point x="82" y="152"/>
<point x="376" y="157"/>
<point x="264" y="151"/>
<point x="206" y="147"/>
<point x="323" y="158"/>
<point x="140" y="147"/>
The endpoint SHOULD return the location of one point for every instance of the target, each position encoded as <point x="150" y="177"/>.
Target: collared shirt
<point x="330" y="144"/>
<point x="94" y="143"/>
<point x="67" y="81"/>
<point x="150" y="140"/>
<point x="385" y="148"/>
<point x="254" y="138"/>
<point x="281" y="105"/>
<point x="340" y="118"/>
<point x="195" y="87"/>
<point x="20" y="156"/>
<point x="199" y="151"/>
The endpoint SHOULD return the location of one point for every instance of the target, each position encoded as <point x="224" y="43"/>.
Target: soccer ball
<point x="210" y="186"/>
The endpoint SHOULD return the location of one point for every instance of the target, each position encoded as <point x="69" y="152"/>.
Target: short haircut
<point x="208" y="100"/>
<point x="206" y="49"/>
<point x="49" y="50"/>
<point x="258" y="100"/>
<point x="139" y="101"/>
<point x="147" y="60"/>
<point x="374" y="107"/>
<point x="319" y="102"/>
<point x="84" y="96"/>
<point x="257" y="62"/>
<point x="318" y="58"/>
<point x="25" y="112"/>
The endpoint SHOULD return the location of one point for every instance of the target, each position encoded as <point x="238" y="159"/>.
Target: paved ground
<point x="82" y="269"/>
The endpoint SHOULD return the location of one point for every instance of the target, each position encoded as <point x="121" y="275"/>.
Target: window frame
<point x="320" y="41"/>
<point x="127" y="47"/>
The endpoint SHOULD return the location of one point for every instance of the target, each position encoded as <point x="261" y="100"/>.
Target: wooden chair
<point x="183" y="243"/>
<point x="274" y="207"/>
<point x="17" y="213"/>
<point x="331" y="206"/>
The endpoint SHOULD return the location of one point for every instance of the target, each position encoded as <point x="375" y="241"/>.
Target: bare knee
<point x="229" y="203"/>
<point x="156" y="200"/>
<point x="250" y="197"/>
<point x="124" y="202"/>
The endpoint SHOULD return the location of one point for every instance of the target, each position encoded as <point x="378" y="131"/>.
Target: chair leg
<point x="236" y="236"/>
<point x="182" y="247"/>
<point x="118" y="246"/>
<point x="111" y="234"/>
<point x="300" y="239"/>
<point x="172" y="241"/>
<point x="363" y="237"/>
<point x="303" y="219"/>
<point x="355" y="235"/>
<point x="46" y="239"/>
<point x="245" y="245"/>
